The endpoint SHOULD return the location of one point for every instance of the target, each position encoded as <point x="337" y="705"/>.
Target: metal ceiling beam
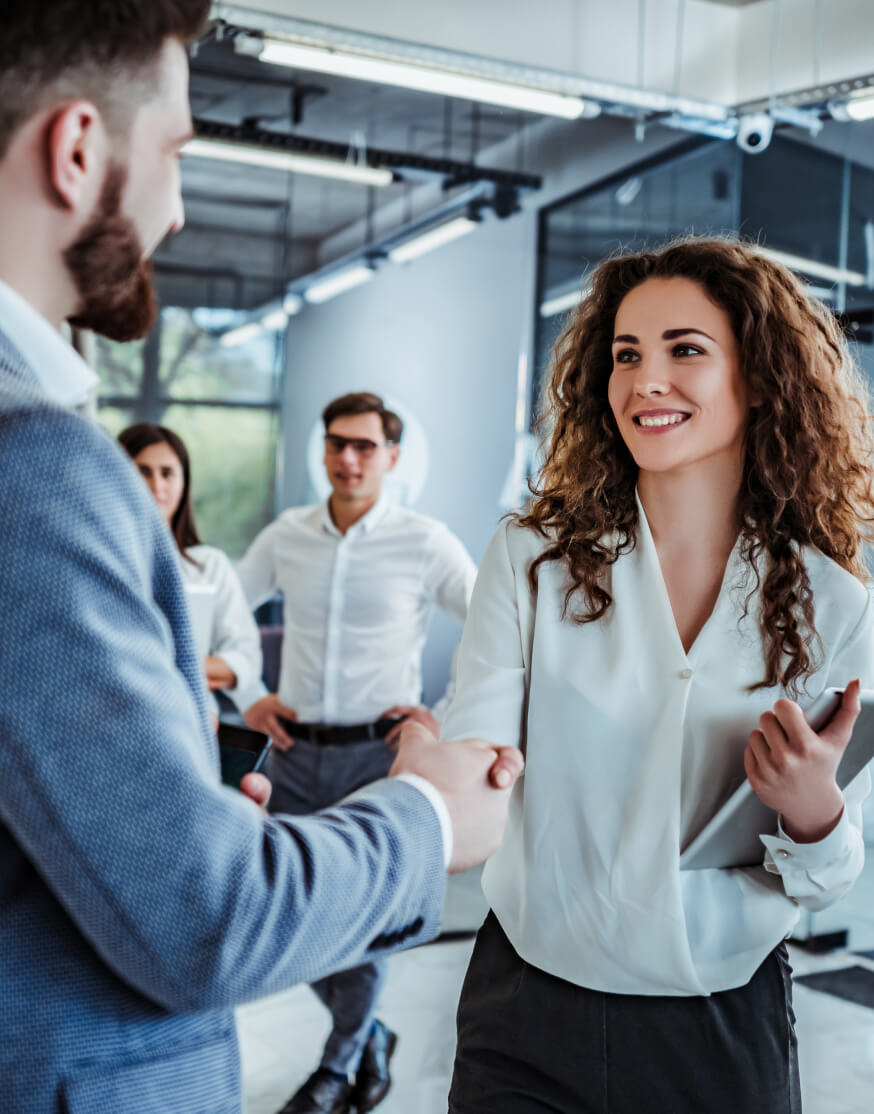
<point x="456" y="172"/>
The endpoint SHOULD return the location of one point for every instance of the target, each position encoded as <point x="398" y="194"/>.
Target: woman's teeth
<point x="663" y="419"/>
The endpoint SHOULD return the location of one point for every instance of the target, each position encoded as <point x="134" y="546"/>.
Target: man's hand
<point x="410" y="713"/>
<point x="461" y="771"/>
<point x="793" y="769"/>
<point x="257" y="788"/>
<point x="219" y="674"/>
<point x="262" y="716"/>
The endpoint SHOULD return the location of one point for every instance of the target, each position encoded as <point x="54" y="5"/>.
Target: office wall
<point x="444" y="334"/>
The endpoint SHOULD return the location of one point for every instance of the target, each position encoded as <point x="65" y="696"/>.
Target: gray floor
<point x="282" y="1036"/>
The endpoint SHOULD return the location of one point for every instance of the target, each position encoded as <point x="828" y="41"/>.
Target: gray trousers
<point x="307" y="778"/>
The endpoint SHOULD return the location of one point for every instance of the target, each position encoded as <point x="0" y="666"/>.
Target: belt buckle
<point x="314" y="733"/>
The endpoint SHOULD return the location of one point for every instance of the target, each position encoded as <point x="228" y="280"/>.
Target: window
<point x="222" y="401"/>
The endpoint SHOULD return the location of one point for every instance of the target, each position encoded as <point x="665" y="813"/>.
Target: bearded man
<point x="140" y="900"/>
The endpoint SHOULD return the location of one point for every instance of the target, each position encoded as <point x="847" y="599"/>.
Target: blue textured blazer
<point x="140" y="900"/>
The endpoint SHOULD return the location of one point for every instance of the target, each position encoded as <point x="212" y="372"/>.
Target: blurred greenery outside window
<point x="222" y="401"/>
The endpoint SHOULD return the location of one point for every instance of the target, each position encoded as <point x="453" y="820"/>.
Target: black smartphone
<point x="242" y="752"/>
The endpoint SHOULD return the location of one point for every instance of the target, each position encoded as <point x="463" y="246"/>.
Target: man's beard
<point x="106" y="263"/>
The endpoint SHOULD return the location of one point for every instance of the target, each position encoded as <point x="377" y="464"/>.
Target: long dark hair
<point x="807" y="464"/>
<point x="140" y="436"/>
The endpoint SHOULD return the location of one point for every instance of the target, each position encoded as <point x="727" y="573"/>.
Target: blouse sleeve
<point x="235" y="636"/>
<point x="817" y="874"/>
<point x="491" y="682"/>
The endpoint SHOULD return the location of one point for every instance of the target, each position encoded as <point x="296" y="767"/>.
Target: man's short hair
<point x="363" y="402"/>
<point x="52" y="51"/>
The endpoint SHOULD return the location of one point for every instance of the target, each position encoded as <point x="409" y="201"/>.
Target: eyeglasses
<point x="361" y="446"/>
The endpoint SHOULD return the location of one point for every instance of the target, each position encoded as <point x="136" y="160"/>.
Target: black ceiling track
<point x="454" y="172"/>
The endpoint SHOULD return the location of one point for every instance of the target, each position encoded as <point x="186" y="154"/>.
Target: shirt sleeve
<point x="235" y="637"/>
<point x="816" y="874"/>
<point x="435" y="797"/>
<point x="451" y="578"/>
<point x="451" y="575"/>
<point x="256" y="570"/>
<point x="491" y="685"/>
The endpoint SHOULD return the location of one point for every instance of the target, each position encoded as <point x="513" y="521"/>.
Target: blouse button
<point x="685" y="674"/>
<point x="783" y="853"/>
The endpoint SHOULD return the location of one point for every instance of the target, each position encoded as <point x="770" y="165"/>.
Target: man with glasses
<point x="359" y="577"/>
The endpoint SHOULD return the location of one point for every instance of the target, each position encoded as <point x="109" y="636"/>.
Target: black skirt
<point x="529" y="1042"/>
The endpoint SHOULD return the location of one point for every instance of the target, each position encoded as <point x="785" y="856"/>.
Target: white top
<point x="631" y="746"/>
<point x="356" y="605"/>
<point x="234" y="636"/>
<point x="61" y="371"/>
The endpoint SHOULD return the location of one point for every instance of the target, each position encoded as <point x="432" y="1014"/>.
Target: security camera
<point x="754" y="132"/>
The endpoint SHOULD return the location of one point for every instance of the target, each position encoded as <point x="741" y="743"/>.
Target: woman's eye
<point x="625" y="356"/>
<point x="687" y="350"/>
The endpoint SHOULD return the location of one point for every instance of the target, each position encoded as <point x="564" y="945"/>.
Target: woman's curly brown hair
<point x="807" y="468"/>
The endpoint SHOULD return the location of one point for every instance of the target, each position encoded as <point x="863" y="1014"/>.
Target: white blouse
<point x="631" y="746"/>
<point x="235" y="637"/>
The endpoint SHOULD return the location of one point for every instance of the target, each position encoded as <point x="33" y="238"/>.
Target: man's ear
<point x="75" y="143"/>
<point x="393" y="453"/>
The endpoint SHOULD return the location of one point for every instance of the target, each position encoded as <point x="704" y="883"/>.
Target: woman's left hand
<point x="219" y="674"/>
<point x="793" y="768"/>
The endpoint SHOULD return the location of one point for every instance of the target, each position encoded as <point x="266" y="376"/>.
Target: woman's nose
<point x="648" y="381"/>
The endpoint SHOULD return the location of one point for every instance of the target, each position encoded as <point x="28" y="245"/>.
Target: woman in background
<point x="687" y="579"/>
<point x="233" y="661"/>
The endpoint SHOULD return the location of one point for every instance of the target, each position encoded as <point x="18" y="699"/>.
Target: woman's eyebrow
<point x="672" y="334"/>
<point x="668" y="334"/>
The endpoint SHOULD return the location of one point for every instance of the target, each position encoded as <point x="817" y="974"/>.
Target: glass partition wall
<point x="811" y="199"/>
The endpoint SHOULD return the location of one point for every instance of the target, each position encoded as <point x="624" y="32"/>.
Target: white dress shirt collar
<point x="62" y="373"/>
<point x="364" y="524"/>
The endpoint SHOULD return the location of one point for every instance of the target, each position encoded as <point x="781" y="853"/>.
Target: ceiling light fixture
<point x="232" y="151"/>
<point x="339" y="282"/>
<point x="432" y="238"/>
<point x="292" y="303"/>
<point x="559" y="303"/>
<point x="425" y="79"/>
<point x="857" y="106"/>
<point x="275" y="320"/>
<point x="240" y="335"/>
<point x="813" y="267"/>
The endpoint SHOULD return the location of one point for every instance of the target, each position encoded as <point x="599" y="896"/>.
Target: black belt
<point x="323" y="735"/>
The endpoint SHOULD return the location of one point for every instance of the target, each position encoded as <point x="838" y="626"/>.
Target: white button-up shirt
<point x="632" y="745"/>
<point x="61" y="371"/>
<point x="356" y="605"/>
<point x="234" y="636"/>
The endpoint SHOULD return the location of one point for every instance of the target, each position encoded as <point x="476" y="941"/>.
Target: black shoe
<point x="324" y="1092"/>
<point x="372" y="1081"/>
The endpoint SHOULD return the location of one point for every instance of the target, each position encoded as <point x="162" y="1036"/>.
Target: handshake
<point x="473" y="777"/>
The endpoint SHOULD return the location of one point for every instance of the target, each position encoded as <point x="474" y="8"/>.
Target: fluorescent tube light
<point x="858" y="106"/>
<point x="426" y="79"/>
<point x="812" y="267"/>
<point x="240" y="335"/>
<point x="433" y="238"/>
<point x="292" y="303"/>
<point x="231" y="150"/>
<point x="561" y="302"/>
<point x="332" y="285"/>
<point x="275" y="320"/>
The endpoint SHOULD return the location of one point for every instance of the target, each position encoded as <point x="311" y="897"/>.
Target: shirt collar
<point x="58" y="367"/>
<point x="365" y="525"/>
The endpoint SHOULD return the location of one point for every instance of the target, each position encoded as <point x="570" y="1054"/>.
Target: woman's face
<point x="161" y="468"/>
<point x="676" y="389"/>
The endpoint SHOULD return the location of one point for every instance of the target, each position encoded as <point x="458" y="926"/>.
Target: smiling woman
<point x="690" y="561"/>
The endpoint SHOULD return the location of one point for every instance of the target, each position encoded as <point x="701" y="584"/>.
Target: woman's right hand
<point x="264" y="715"/>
